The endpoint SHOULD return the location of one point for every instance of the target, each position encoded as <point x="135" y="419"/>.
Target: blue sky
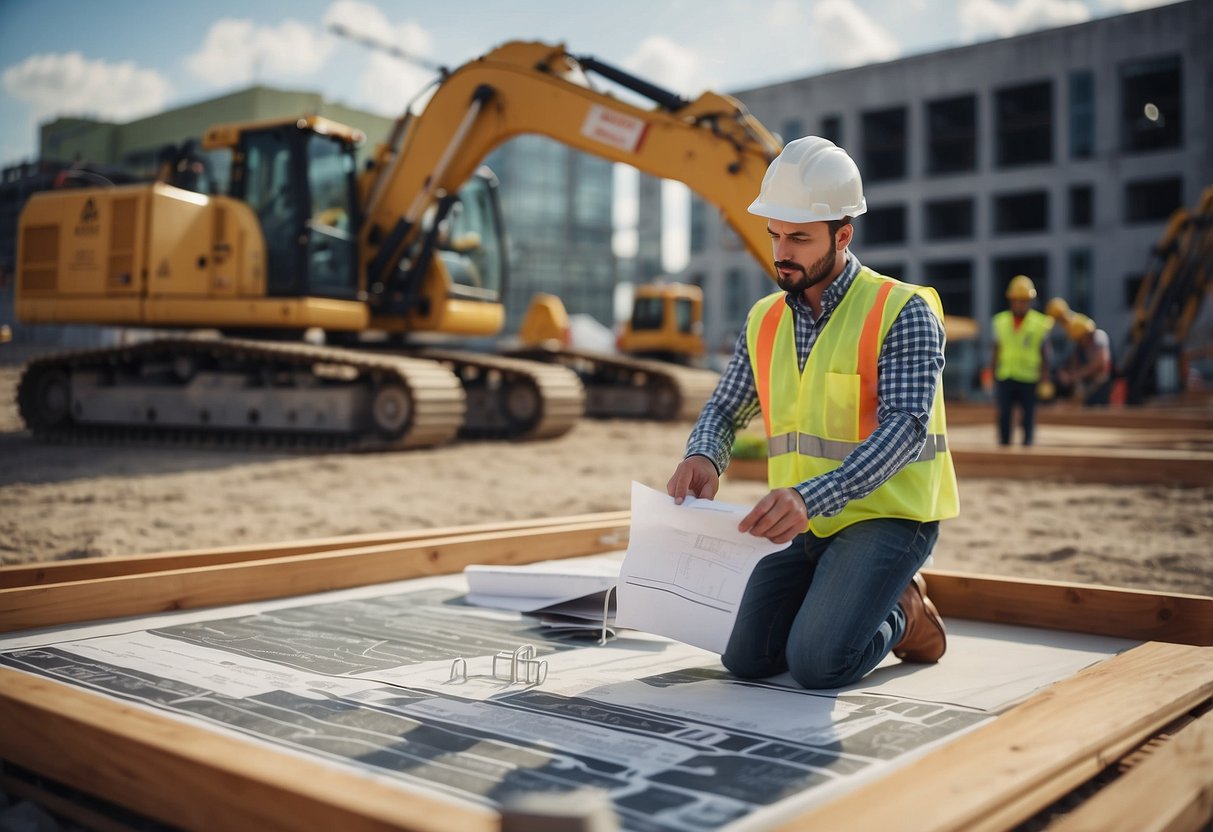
<point x="123" y="59"/>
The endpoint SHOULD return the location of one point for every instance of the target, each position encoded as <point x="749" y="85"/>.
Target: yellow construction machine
<point x="652" y="374"/>
<point x="666" y="323"/>
<point x="300" y="242"/>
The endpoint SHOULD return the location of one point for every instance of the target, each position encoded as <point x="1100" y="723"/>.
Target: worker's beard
<point x="811" y="275"/>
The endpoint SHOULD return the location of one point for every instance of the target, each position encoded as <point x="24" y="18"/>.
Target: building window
<point x="1021" y="213"/>
<point x="1082" y="206"/>
<point x="1080" y="289"/>
<point x="953" y="280"/>
<point x="1132" y="288"/>
<point x="1035" y="266"/>
<point x="793" y="128"/>
<point x="884" y="144"/>
<point x="1024" y="124"/>
<point x="698" y="225"/>
<point x="736" y="296"/>
<point x="831" y="128"/>
<point x="950" y="219"/>
<point x="896" y="271"/>
<point x="1151" y="104"/>
<point x="1147" y="200"/>
<point x="952" y="134"/>
<point x="883" y="226"/>
<point x="1082" y="114"/>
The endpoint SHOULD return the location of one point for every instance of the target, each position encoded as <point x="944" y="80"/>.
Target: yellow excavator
<point x="301" y="242"/>
<point x="652" y="374"/>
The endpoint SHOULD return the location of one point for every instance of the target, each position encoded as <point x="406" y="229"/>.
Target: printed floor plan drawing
<point x="366" y="683"/>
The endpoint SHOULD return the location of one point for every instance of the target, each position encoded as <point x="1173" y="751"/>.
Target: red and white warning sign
<point x="619" y="130"/>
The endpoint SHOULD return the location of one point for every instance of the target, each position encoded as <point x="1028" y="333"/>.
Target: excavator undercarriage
<point x="625" y="387"/>
<point x="242" y="393"/>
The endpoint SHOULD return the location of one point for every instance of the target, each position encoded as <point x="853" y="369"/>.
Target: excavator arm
<point x="711" y="144"/>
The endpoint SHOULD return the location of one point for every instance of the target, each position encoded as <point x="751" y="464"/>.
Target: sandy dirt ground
<point x="61" y="502"/>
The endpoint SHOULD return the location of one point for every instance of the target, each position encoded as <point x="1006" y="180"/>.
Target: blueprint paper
<point x="686" y="568"/>
<point x="361" y="679"/>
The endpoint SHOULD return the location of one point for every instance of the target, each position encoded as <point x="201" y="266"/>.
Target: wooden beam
<point x="1080" y="608"/>
<point x="1003" y="773"/>
<point x="1115" y="466"/>
<point x="1103" y="465"/>
<point x="1171" y="418"/>
<point x="31" y="607"/>
<point x="85" y="569"/>
<point x="195" y="778"/>
<point x="1169" y="791"/>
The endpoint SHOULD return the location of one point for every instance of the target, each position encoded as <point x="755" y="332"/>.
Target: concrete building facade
<point x="1058" y="154"/>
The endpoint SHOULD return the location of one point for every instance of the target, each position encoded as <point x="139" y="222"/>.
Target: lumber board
<point x="23" y="608"/>
<point x="31" y="574"/>
<point x="1080" y="608"/>
<point x="194" y="778"/>
<point x="1008" y="770"/>
<point x="1115" y="466"/>
<point x="1175" y="417"/>
<point x="1098" y="465"/>
<point x="1171" y="790"/>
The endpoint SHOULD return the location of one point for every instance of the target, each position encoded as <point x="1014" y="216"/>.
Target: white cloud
<point x="991" y="18"/>
<point x="390" y="81"/>
<point x="1138" y="5"/>
<point x="848" y="36"/>
<point x="238" y="52"/>
<point x="667" y="64"/>
<point x="70" y="84"/>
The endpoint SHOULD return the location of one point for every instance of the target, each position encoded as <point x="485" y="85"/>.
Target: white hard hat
<point x="811" y="180"/>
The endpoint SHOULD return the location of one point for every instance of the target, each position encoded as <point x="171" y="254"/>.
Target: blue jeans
<point x="825" y="609"/>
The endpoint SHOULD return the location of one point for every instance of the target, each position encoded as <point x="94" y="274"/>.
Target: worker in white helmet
<point x="1021" y="357"/>
<point x="844" y="365"/>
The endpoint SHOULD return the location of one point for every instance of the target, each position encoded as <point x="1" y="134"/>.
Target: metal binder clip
<point x="523" y="658"/>
<point x="523" y="667"/>
<point x="606" y="615"/>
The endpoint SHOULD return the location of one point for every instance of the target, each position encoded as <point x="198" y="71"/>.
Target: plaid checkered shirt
<point x="909" y="368"/>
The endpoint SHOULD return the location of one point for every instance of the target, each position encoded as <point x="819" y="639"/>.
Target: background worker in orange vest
<point x="1021" y="357"/>
<point x="844" y="365"/>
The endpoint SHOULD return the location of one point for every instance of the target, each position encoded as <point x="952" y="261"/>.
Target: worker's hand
<point x="696" y="476"/>
<point x="779" y="516"/>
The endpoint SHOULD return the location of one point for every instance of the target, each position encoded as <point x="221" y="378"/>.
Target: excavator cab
<point x="666" y="323"/>
<point x="298" y="178"/>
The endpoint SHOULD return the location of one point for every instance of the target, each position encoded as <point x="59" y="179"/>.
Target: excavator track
<point x="510" y="398"/>
<point x="238" y="393"/>
<point x="621" y="387"/>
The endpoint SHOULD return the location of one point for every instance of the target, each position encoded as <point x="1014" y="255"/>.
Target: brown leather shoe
<point x="924" y="639"/>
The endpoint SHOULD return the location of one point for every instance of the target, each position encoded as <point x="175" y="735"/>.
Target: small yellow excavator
<point x="652" y="374"/>
<point x="300" y="242"/>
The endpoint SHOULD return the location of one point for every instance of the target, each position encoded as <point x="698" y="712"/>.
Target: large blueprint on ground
<point x="364" y="680"/>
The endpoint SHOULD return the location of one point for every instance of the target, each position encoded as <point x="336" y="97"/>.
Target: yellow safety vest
<point x="815" y="418"/>
<point x="1019" y="349"/>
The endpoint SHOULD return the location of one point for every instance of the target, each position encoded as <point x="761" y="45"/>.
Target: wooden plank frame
<point x="990" y="779"/>
<point x="1191" y="469"/>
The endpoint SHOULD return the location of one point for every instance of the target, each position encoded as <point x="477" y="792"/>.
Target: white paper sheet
<point x="686" y="568"/>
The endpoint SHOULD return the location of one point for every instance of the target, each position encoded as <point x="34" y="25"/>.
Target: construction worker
<point x="1086" y="375"/>
<point x="844" y="365"/>
<point x="1021" y="357"/>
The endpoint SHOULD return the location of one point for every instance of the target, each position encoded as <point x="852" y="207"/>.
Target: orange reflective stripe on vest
<point x="869" y="353"/>
<point x="766" y="344"/>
